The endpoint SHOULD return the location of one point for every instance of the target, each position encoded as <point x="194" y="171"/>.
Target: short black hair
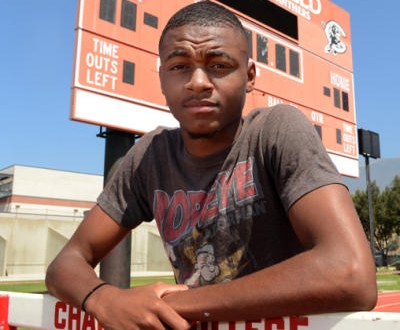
<point x="203" y="13"/>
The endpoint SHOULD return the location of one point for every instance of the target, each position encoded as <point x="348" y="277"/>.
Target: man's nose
<point x="199" y="80"/>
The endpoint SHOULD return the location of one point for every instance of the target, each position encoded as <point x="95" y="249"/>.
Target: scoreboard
<point x="302" y="50"/>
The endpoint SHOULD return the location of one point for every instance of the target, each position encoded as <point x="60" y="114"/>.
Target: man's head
<point x="205" y="72"/>
<point x="203" y="13"/>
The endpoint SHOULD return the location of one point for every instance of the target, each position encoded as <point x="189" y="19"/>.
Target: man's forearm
<point x="70" y="280"/>
<point x="288" y="288"/>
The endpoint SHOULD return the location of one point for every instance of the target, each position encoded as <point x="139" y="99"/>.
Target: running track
<point x="388" y="301"/>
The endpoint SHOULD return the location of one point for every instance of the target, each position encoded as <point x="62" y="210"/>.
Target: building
<point x="32" y="190"/>
<point x="41" y="208"/>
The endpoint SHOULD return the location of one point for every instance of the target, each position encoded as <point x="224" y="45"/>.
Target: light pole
<point x="370" y="206"/>
<point x="368" y="145"/>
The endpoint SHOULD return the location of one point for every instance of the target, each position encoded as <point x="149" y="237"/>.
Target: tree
<point x="386" y="214"/>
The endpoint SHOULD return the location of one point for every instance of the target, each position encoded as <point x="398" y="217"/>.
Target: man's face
<point x="205" y="74"/>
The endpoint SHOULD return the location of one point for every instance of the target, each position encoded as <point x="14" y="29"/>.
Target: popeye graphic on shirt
<point x="206" y="233"/>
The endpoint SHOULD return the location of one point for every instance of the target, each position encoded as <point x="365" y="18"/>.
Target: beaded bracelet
<point x="90" y="293"/>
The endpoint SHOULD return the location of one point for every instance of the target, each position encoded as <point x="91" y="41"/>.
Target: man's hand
<point x="71" y="276"/>
<point x="138" y="308"/>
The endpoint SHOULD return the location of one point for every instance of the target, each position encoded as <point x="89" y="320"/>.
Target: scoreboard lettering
<point x="102" y="64"/>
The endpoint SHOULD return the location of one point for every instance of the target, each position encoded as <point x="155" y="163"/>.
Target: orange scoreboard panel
<point x="302" y="50"/>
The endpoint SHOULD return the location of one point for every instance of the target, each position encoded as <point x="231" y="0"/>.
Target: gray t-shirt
<point x="225" y="215"/>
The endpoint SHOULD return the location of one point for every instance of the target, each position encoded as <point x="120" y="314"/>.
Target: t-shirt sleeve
<point x="125" y="198"/>
<point x="298" y="160"/>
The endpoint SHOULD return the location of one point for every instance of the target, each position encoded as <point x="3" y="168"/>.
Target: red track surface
<point x="388" y="302"/>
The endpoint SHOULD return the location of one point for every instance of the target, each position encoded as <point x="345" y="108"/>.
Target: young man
<point x="252" y="206"/>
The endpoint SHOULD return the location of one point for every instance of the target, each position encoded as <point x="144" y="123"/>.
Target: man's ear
<point x="251" y="76"/>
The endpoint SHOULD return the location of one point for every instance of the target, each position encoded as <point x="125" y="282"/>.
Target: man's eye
<point x="178" y="67"/>
<point x="220" y="66"/>
<point x="220" y="69"/>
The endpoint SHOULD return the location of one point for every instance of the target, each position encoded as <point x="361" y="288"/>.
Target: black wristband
<point x="90" y="293"/>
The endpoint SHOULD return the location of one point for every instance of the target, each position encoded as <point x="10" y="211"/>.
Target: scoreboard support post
<point x="115" y="268"/>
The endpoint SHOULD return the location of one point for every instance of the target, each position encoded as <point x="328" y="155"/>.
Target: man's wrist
<point x="89" y="296"/>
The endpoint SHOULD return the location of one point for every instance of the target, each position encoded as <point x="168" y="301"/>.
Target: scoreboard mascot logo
<point x="334" y="32"/>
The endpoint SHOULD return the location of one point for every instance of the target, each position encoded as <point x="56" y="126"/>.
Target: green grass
<point x="138" y="281"/>
<point x="388" y="281"/>
<point x="385" y="282"/>
<point x="31" y="287"/>
<point x="39" y="286"/>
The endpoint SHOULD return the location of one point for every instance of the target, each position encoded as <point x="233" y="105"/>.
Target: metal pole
<point x="115" y="268"/>
<point x="370" y="207"/>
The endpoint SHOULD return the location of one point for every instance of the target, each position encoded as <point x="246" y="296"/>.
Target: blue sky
<point x="36" y="65"/>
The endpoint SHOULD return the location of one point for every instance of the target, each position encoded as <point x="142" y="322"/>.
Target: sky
<point x="36" y="56"/>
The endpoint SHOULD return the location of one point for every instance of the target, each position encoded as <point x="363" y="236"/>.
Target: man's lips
<point x="201" y="106"/>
